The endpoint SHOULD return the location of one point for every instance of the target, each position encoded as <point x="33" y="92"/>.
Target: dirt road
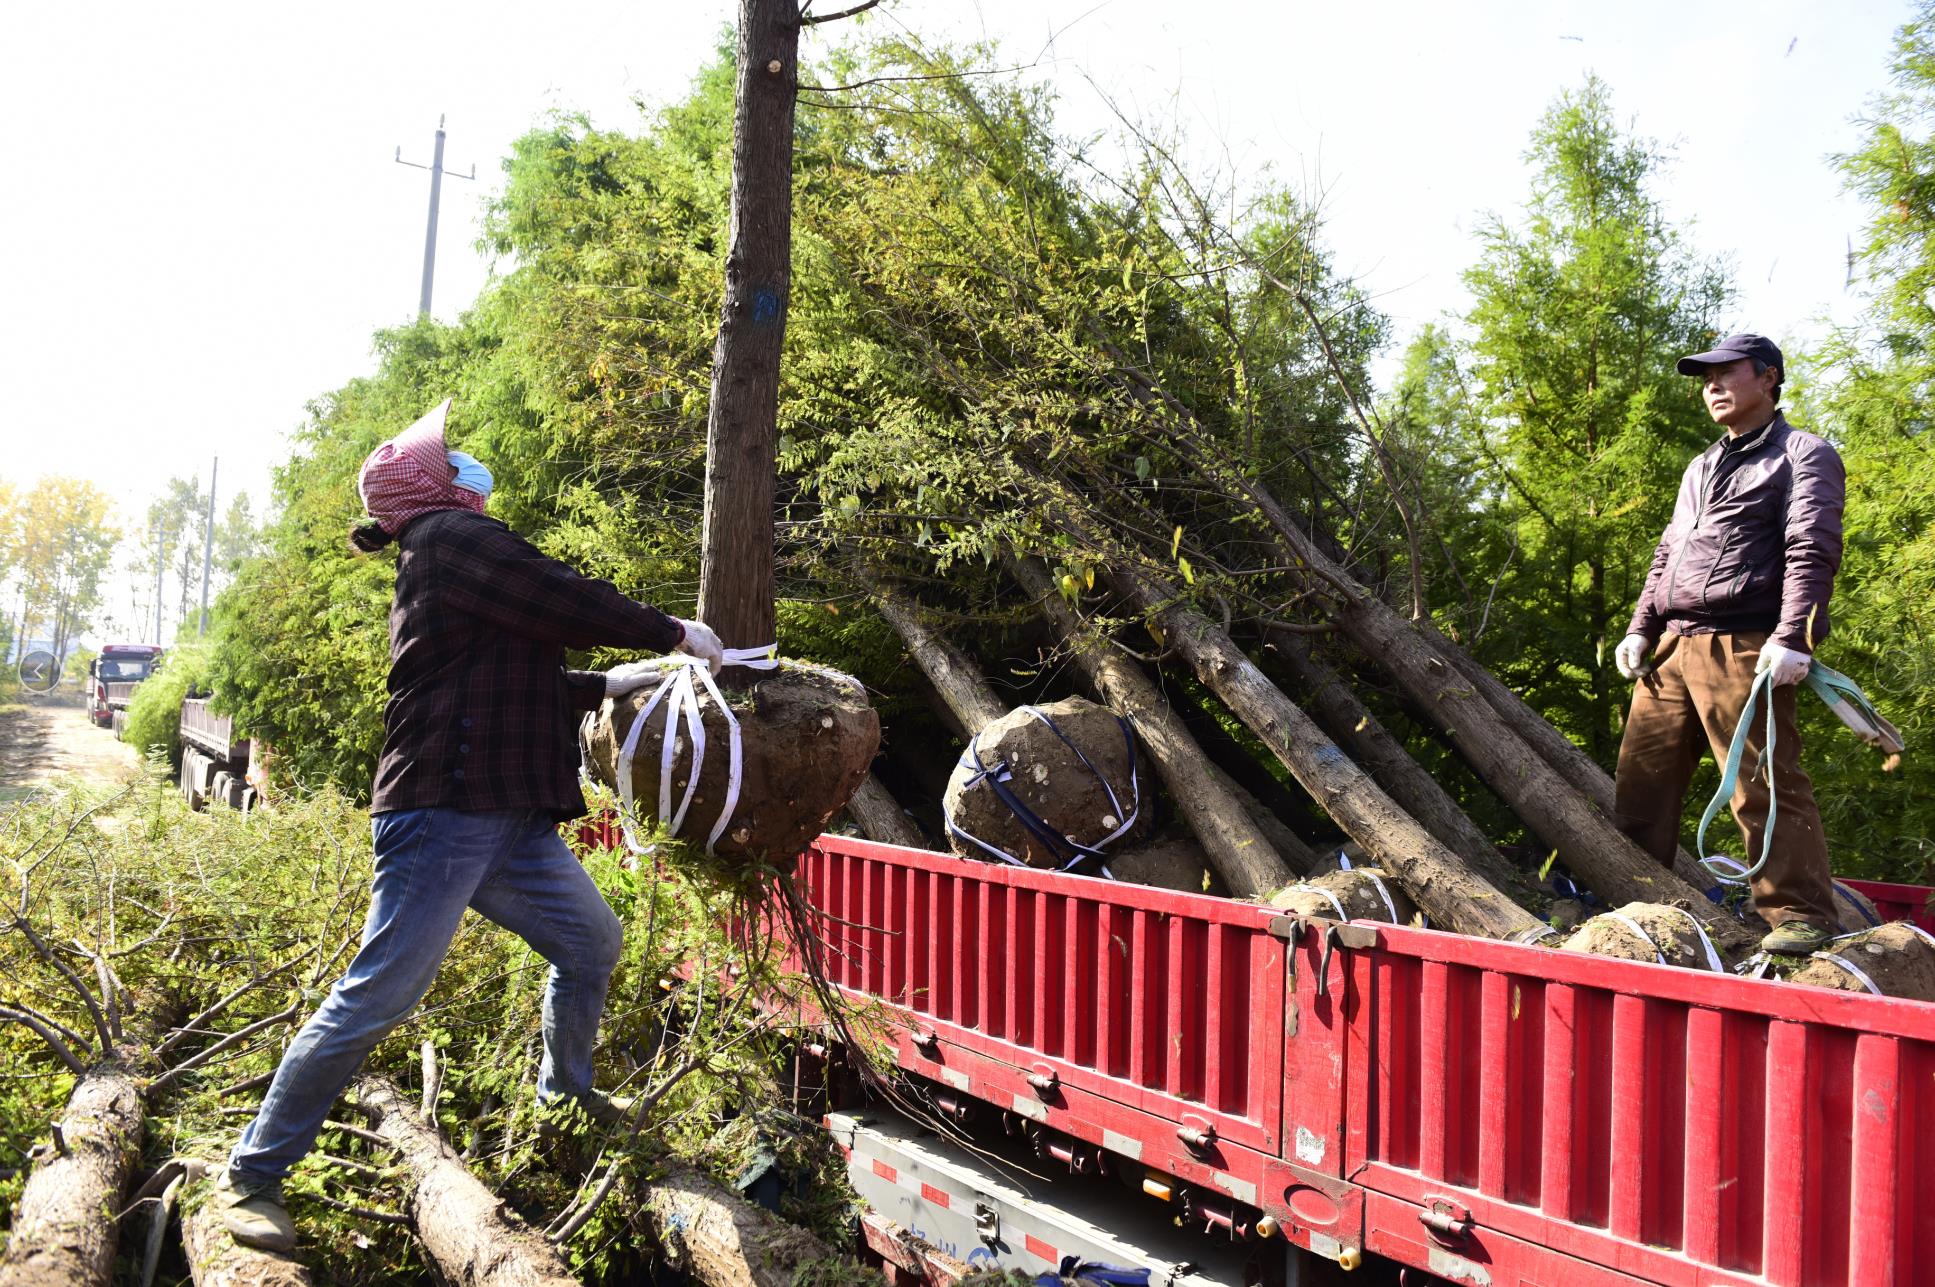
<point x="41" y="741"/>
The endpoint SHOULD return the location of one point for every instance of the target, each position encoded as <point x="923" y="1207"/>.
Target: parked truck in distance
<point x="214" y="762"/>
<point x="111" y="680"/>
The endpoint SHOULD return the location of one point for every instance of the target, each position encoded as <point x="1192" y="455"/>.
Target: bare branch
<point x="73" y="980"/>
<point x="46" y="1034"/>
<point x="817" y="19"/>
<point x="229" y="1042"/>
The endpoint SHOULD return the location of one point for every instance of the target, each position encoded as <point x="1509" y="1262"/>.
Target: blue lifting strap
<point x="1072" y="855"/>
<point x="1844" y="697"/>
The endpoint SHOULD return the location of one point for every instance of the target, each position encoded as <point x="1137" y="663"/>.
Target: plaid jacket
<point x="482" y="710"/>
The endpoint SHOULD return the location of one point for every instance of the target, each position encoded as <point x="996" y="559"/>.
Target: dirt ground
<point x="42" y="739"/>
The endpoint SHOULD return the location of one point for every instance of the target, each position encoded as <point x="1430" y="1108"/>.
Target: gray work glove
<point x="701" y="642"/>
<point x="1790" y="665"/>
<point x="1631" y="655"/>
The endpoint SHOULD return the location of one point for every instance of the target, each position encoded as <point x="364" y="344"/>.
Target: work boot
<point x="253" y="1213"/>
<point x="609" y="1111"/>
<point x="1796" y="938"/>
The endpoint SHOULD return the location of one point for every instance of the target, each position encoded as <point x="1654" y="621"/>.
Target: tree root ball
<point x="1048" y="777"/>
<point x="1856" y="911"/>
<point x="1172" y="860"/>
<point x="1899" y="960"/>
<point x="1673" y="933"/>
<point x="807" y="733"/>
<point x="1367" y="894"/>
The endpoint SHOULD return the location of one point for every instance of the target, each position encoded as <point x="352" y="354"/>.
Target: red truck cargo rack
<point x="1482" y="1111"/>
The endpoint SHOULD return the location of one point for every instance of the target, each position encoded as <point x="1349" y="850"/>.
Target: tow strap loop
<point x="1851" y="968"/>
<point x="1645" y="938"/>
<point x="680" y="694"/>
<point x="1849" y="704"/>
<point x="1331" y="898"/>
<point x="1072" y="854"/>
<point x="1730" y="775"/>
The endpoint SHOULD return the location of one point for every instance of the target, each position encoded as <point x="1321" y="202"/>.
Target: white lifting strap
<point x="679" y="692"/>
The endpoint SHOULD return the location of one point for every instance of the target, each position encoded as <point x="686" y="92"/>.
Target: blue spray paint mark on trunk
<point x="765" y="307"/>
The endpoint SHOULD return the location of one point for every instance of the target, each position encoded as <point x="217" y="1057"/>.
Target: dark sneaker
<point x="253" y="1213"/>
<point x="1796" y="938"/>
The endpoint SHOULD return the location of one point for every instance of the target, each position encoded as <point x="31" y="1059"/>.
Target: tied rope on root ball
<point x="1350" y="894"/>
<point x="1895" y="960"/>
<point x="750" y="776"/>
<point x="1658" y="933"/>
<point x="1052" y="786"/>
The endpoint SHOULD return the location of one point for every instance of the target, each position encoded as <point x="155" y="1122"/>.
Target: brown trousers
<point x="1691" y="704"/>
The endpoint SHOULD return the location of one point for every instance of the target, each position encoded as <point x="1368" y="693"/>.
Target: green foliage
<point x="154" y="712"/>
<point x="1564" y="406"/>
<point x="1872" y="397"/>
<point x="190" y="907"/>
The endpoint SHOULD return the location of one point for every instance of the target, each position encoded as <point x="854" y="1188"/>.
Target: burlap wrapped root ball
<point x="807" y="735"/>
<point x="1899" y="961"/>
<point x="1051" y="780"/>
<point x="1365" y="893"/>
<point x="1669" y="931"/>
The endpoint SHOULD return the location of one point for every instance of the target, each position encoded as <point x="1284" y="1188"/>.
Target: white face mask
<point x="471" y="474"/>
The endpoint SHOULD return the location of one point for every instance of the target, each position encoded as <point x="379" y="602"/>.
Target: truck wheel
<point x="218" y="789"/>
<point x="237" y="788"/>
<point x="198" y="775"/>
<point x="181" y="779"/>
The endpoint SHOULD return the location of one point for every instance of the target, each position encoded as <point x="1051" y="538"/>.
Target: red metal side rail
<point x="1899" y="902"/>
<point x="1484" y="1111"/>
<point x="1142" y="1021"/>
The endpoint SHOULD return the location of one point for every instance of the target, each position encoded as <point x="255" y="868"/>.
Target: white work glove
<point x="1631" y="654"/>
<point x="631" y="677"/>
<point x="701" y="642"/>
<point x="1788" y="664"/>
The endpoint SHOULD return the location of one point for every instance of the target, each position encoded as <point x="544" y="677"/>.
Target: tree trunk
<point x="879" y="816"/>
<point x="63" y="1227"/>
<point x="474" y="1239"/>
<point x="217" y="1260"/>
<point x="1381" y="755"/>
<point x="1438" y="879"/>
<point x="736" y="570"/>
<point x="973" y="702"/>
<point x="1243" y="856"/>
<point x="721" y="1240"/>
<point x="1595" y="850"/>
<point x="1559" y="751"/>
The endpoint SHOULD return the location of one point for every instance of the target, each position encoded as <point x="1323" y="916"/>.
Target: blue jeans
<point x="431" y="864"/>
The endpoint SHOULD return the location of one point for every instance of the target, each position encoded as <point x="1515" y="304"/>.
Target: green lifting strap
<point x="1844" y="697"/>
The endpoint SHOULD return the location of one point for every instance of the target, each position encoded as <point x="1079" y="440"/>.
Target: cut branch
<point x="1437" y="878"/>
<point x="63" y="1229"/>
<point x="721" y="1240"/>
<point x="1243" y="856"/>
<point x="880" y="816"/>
<point x="955" y="677"/>
<point x="472" y="1236"/>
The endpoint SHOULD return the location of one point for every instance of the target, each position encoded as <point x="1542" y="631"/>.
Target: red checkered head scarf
<point x="411" y="474"/>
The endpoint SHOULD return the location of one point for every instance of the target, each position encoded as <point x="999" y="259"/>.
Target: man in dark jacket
<point x="1739" y="585"/>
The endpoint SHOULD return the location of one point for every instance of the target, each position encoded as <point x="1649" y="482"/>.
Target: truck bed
<point x="1486" y="1112"/>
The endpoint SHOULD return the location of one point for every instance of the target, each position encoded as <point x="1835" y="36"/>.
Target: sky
<point x="205" y="222"/>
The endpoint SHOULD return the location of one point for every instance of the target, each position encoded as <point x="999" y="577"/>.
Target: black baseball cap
<point x="1732" y="349"/>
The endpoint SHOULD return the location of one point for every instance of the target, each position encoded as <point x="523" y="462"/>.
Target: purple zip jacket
<point x="1754" y="543"/>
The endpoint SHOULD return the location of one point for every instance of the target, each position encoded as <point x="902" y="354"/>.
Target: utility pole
<point x="436" y="191"/>
<point x="208" y="541"/>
